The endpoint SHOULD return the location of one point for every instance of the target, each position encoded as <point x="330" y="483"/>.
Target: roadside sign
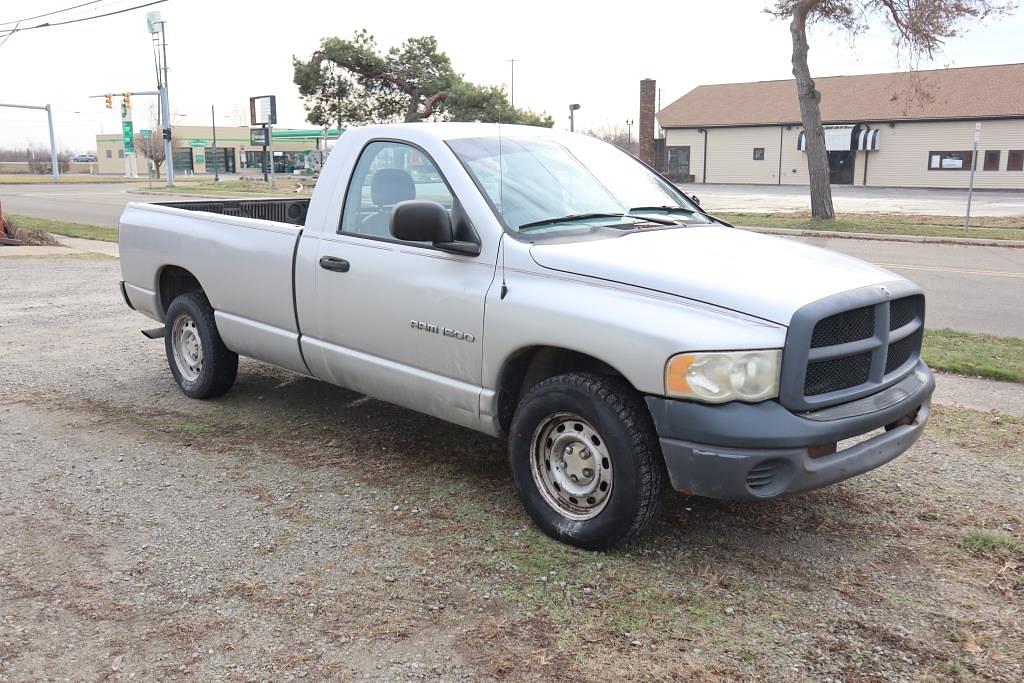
<point x="263" y="110"/>
<point x="259" y="137"/>
<point x="127" y="134"/>
<point x="146" y="133"/>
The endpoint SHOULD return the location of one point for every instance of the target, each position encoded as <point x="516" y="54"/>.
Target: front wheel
<point x="586" y="460"/>
<point x="202" y="366"/>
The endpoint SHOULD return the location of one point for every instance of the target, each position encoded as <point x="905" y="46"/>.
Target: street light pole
<point x="216" y="152"/>
<point x="572" y="117"/>
<point x="55" y="171"/>
<point x="629" y="133"/>
<point x="512" y="96"/>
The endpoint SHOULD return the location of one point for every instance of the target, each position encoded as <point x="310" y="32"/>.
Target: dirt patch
<point x="292" y="529"/>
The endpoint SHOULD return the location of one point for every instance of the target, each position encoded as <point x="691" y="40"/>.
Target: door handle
<point x="334" y="263"/>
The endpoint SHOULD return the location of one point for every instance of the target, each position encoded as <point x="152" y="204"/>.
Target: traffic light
<point x="110" y="100"/>
<point x="128" y="100"/>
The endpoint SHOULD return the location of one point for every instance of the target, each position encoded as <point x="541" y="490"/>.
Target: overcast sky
<point x="222" y="51"/>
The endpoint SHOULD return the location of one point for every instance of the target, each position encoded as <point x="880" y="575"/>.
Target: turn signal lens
<point x="721" y="376"/>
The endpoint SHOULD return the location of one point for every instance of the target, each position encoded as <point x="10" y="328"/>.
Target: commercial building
<point x="887" y="130"/>
<point x="293" y="150"/>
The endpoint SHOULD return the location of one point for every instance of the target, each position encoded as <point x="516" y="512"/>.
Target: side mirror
<point x="696" y="199"/>
<point x="418" y="220"/>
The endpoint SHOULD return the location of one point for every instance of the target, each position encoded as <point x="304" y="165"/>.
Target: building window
<point x="677" y="165"/>
<point x="992" y="160"/>
<point x="949" y="161"/>
<point x="759" y="154"/>
<point x="109" y="155"/>
<point x="120" y="154"/>
<point x="1015" y="160"/>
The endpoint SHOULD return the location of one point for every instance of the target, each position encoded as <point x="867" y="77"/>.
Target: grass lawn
<point x="977" y="355"/>
<point x="283" y="186"/>
<point x="89" y="232"/>
<point x="32" y="179"/>
<point x="1000" y="228"/>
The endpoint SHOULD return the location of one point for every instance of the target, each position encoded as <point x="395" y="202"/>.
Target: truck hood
<point x="760" y="275"/>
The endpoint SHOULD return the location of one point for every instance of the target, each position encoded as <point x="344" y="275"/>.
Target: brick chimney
<point x="648" y="93"/>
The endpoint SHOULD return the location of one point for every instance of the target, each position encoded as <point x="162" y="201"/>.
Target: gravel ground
<point x="296" y="530"/>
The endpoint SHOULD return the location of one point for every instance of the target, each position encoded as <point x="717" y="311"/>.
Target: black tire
<point x="617" y="413"/>
<point x="218" y="364"/>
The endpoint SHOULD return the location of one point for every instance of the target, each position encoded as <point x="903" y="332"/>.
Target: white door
<point x="401" y="321"/>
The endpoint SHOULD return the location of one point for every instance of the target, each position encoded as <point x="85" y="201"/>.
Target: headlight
<point x="717" y="377"/>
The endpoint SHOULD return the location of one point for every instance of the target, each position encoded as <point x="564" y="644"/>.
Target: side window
<point x="388" y="173"/>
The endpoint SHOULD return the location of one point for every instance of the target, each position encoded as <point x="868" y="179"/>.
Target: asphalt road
<point x="99" y="204"/>
<point x="969" y="288"/>
<point x="847" y="199"/>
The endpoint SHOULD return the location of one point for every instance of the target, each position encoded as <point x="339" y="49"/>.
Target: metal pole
<point x="216" y="162"/>
<point x="53" y="146"/>
<point x="270" y="139"/>
<point x="264" y="153"/>
<point x="165" y="106"/>
<point x="572" y="119"/>
<point x="974" y="165"/>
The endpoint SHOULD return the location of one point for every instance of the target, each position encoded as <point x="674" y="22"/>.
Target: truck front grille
<point x="836" y="356"/>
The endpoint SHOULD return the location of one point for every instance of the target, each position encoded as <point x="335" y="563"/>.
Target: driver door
<point x="401" y="321"/>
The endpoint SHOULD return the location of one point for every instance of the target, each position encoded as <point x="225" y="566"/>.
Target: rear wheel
<point x="202" y="366"/>
<point x="586" y="460"/>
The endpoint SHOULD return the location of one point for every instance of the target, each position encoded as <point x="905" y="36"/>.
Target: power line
<point x="48" y="14"/>
<point x="75" y="21"/>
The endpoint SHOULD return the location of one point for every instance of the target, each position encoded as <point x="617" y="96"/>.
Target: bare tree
<point x="919" y="29"/>
<point x="616" y="135"/>
<point x="153" y="147"/>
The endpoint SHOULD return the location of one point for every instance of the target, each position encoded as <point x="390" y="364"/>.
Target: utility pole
<point x="629" y="133"/>
<point x="512" y="89"/>
<point x="974" y="165"/>
<point x="55" y="170"/>
<point x="216" y="152"/>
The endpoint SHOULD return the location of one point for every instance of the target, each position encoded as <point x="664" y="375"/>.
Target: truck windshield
<point x="543" y="185"/>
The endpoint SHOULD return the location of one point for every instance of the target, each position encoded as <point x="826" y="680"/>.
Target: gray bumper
<point x="747" y="451"/>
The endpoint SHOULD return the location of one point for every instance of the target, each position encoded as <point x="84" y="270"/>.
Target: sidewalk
<point x="872" y="236"/>
<point x="979" y="394"/>
<point x="69" y="245"/>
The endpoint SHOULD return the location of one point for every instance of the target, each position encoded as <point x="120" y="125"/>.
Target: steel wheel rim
<point x="188" y="347"/>
<point x="571" y="466"/>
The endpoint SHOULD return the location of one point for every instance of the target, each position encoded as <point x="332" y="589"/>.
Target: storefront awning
<point x="844" y="139"/>
<point x="868" y="139"/>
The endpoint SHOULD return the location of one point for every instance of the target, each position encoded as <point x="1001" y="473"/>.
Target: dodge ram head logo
<point x="445" y="331"/>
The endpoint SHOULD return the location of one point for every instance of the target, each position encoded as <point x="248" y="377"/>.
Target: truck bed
<point x="291" y="211"/>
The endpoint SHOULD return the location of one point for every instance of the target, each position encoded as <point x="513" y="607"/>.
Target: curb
<point x="962" y="241"/>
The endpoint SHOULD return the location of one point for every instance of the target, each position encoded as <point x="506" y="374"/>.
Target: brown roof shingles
<point x="969" y="93"/>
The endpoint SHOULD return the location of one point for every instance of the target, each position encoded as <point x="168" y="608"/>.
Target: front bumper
<point x="743" y="451"/>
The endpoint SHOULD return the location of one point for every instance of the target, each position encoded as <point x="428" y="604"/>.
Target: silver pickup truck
<point x="551" y="289"/>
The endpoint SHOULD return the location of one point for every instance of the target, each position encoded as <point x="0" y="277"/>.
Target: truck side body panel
<point x="243" y="265"/>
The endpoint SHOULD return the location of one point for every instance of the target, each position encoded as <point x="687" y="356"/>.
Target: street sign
<point x="259" y="137"/>
<point x="197" y="143"/>
<point x="153" y="22"/>
<point x="146" y="133"/>
<point x="977" y="132"/>
<point x="127" y="134"/>
<point x="263" y="110"/>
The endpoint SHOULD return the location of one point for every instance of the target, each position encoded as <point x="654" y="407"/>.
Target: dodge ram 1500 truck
<point x="551" y="289"/>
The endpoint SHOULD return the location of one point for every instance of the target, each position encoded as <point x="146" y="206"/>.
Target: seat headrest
<point x="390" y="186"/>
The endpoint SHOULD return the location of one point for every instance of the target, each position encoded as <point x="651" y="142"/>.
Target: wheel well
<point x="531" y="366"/>
<point x="175" y="281"/>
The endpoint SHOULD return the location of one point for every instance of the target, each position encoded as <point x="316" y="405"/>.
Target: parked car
<point x="549" y="289"/>
<point x="86" y="158"/>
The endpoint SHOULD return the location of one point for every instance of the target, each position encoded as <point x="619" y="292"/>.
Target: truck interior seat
<point x="388" y="186"/>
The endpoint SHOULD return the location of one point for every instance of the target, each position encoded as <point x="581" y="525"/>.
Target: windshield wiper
<point x="668" y="209"/>
<point x="569" y="218"/>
